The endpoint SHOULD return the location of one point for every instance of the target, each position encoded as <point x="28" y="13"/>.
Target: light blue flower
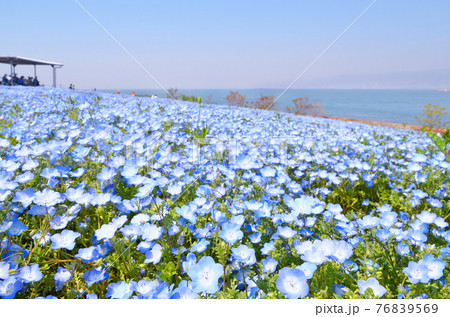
<point x="24" y="197"/>
<point x="435" y="266"/>
<point x="30" y="274"/>
<point x="205" y="275"/>
<point x="154" y="256"/>
<point x="95" y="275"/>
<point x="244" y="255"/>
<point x="417" y="272"/>
<point x="286" y="232"/>
<point x="269" y="265"/>
<point x="403" y="249"/>
<point x="308" y="269"/>
<point x="373" y="284"/>
<point x="231" y="232"/>
<point x="87" y="254"/>
<point x="4" y="270"/>
<point x="292" y="283"/>
<point x="200" y="246"/>
<point x="64" y="240"/>
<point x="144" y="287"/>
<point x="120" y="290"/>
<point x="9" y="287"/>
<point x="16" y="228"/>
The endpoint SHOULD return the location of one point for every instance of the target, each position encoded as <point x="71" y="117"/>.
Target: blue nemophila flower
<point x="417" y="272"/>
<point x="9" y="287"/>
<point x="151" y="232"/>
<point x="350" y="266"/>
<point x="47" y="198"/>
<point x="255" y="237"/>
<point x="191" y="259"/>
<point x="120" y="290"/>
<point x="186" y="212"/>
<point x="144" y="287"/>
<point x="292" y="283"/>
<point x="436" y="203"/>
<point x="427" y="217"/>
<point x="24" y="197"/>
<point x="308" y="269"/>
<point x="416" y="237"/>
<point x="106" y="231"/>
<point x="269" y="265"/>
<point x="205" y="275"/>
<point x="106" y="174"/>
<point x="131" y="231"/>
<point x="231" y="232"/>
<point x="91" y="296"/>
<point x="286" y="232"/>
<point x="174" y="189"/>
<point x="314" y="255"/>
<point x="30" y="274"/>
<point x="373" y="284"/>
<point x="342" y="252"/>
<point x="4" y="270"/>
<point x="61" y="277"/>
<point x="4" y="194"/>
<point x="74" y="194"/>
<point x="440" y="222"/>
<point x="403" y="249"/>
<point x="140" y="219"/>
<point x="383" y="234"/>
<point x="435" y="266"/>
<point x="50" y="172"/>
<point x="16" y="228"/>
<point x="87" y="254"/>
<point x="368" y="222"/>
<point x="244" y="255"/>
<point x="200" y="246"/>
<point x="304" y="205"/>
<point x="144" y="246"/>
<point x="95" y="275"/>
<point x="64" y="240"/>
<point x="184" y="292"/>
<point x="154" y="256"/>
<point x="5" y="225"/>
<point x="340" y="289"/>
<point x="59" y="222"/>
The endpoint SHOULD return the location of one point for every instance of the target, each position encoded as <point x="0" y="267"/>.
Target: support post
<point x="54" y="76"/>
<point x="13" y="72"/>
<point x="34" y="70"/>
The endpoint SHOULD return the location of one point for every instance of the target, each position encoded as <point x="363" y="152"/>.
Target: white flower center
<point x="205" y="276"/>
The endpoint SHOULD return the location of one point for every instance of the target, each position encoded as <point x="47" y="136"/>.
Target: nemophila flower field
<point x="109" y="196"/>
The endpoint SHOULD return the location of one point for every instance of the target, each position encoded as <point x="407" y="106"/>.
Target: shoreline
<point x="406" y="126"/>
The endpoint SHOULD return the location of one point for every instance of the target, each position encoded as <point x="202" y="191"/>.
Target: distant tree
<point x="433" y="117"/>
<point x="264" y="102"/>
<point x="303" y="107"/>
<point x="208" y="99"/>
<point x="236" y="99"/>
<point x="172" y="93"/>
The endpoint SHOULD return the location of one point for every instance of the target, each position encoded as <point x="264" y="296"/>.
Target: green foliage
<point x="188" y="98"/>
<point x="440" y="140"/>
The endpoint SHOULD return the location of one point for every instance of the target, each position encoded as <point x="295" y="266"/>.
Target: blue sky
<point x="226" y="44"/>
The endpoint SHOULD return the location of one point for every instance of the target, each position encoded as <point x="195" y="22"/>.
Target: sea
<point x="397" y="106"/>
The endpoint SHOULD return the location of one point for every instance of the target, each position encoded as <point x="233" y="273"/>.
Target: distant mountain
<point x="426" y="79"/>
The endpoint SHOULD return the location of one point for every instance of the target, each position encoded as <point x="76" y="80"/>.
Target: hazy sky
<point x="224" y="44"/>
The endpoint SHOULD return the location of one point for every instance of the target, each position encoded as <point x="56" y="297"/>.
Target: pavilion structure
<point x="17" y="60"/>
